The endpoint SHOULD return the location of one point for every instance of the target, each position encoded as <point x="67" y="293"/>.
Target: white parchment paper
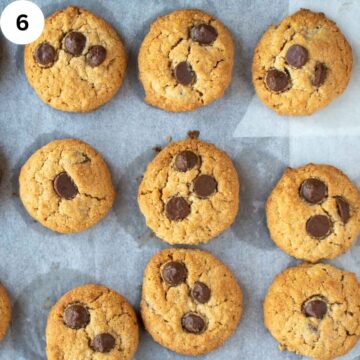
<point x="38" y="266"/>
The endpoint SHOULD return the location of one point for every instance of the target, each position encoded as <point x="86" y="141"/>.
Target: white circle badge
<point x="22" y="22"/>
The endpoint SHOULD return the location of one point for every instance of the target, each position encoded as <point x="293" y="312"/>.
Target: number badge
<point x="22" y="22"/>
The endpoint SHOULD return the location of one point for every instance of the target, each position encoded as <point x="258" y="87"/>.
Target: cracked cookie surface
<point x="313" y="212"/>
<point x="191" y="302"/>
<point x="189" y="193"/>
<point x="78" y="63"/>
<point x="301" y="64"/>
<point x="66" y="186"/>
<point x="91" y="322"/>
<point x="185" y="61"/>
<point x="314" y="310"/>
<point x="5" y="311"/>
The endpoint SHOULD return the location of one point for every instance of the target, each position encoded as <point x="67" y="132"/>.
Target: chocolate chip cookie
<point x="78" y="63"/>
<point x="5" y="311"/>
<point x="191" y="302"/>
<point x="189" y="193"/>
<point x="185" y="61"/>
<point x="301" y="64"/>
<point x="91" y="322"/>
<point x="314" y="310"/>
<point x="66" y="186"/>
<point x="313" y="212"/>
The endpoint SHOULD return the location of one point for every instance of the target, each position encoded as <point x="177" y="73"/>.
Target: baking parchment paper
<point x="37" y="266"/>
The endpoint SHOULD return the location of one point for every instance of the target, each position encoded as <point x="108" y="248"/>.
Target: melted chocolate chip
<point x="200" y="292"/>
<point x="204" y="186"/>
<point x="186" y="160"/>
<point x="318" y="226"/>
<point x="96" y="55"/>
<point x="343" y="209"/>
<point x="174" y="273"/>
<point x="313" y="191"/>
<point x="74" y="43"/>
<point x="177" y="208"/>
<point x="193" y="323"/>
<point x="45" y="54"/>
<point x="204" y="34"/>
<point x="315" y="307"/>
<point x="103" y="343"/>
<point x="277" y="80"/>
<point x="184" y="74"/>
<point x="64" y="186"/>
<point x="320" y="72"/>
<point x="76" y="316"/>
<point x="297" y="56"/>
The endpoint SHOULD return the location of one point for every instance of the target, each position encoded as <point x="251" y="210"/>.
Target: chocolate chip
<point x="316" y="308"/>
<point x="103" y="343"/>
<point x="177" y="208"/>
<point x="76" y="316"/>
<point x="297" y="56"/>
<point x="318" y="226"/>
<point x="277" y="80"/>
<point x="200" y="292"/>
<point x="96" y="55"/>
<point x="45" y="54"/>
<point x="343" y="209"/>
<point x="193" y="134"/>
<point x="74" y="43"/>
<point x="193" y="323"/>
<point x="204" y="34"/>
<point x="184" y="74"/>
<point x="319" y="74"/>
<point x="186" y="160"/>
<point x="204" y="186"/>
<point x="313" y="190"/>
<point x="64" y="186"/>
<point x="174" y="273"/>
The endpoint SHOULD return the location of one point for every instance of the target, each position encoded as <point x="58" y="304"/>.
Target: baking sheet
<point x="38" y="266"/>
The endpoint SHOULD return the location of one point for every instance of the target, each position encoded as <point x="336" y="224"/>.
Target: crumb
<point x="169" y="139"/>
<point x="193" y="134"/>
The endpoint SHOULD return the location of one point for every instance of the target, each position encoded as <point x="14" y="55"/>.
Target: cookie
<point x="78" y="63"/>
<point x="313" y="212"/>
<point x="91" y="322"/>
<point x="5" y="312"/>
<point x="66" y="186"/>
<point x="314" y="310"/>
<point x="189" y="193"/>
<point x="185" y="61"/>
<point x="191" y="302"/>
<point x="301" y="64"/>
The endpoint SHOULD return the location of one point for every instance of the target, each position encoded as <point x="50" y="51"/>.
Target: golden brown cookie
<point x="301" y="64"/>
<point x="185" y="61"/>
<point x="66" y="186"/>
<point x="189" y="193"/>
<point x="313" y="212"/>
<point x="91" y="322"/>
<point x="191" y="302"/>
<point x="314" y="310"/>
<point x="78" y="63"/>
<point x="5" y="311"/>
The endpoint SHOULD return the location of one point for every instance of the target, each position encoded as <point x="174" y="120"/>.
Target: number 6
<point x="21" y="23"/>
